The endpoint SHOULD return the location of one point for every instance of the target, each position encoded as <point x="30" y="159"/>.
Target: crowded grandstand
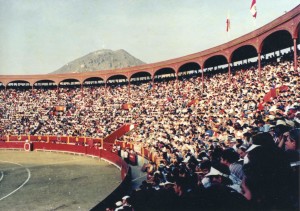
<point x="217" y="141"/>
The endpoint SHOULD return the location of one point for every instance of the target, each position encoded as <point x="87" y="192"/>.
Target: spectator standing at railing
<point x="125" y="155"/>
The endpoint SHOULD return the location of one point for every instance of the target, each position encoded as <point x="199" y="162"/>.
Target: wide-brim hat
<point x="119" y="203"/>
<point x="215" y="172"/>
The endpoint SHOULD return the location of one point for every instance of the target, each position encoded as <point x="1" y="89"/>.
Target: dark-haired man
<point x="230" y="158"/>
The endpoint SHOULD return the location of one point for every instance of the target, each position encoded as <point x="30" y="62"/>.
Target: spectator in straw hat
<point x="126" y="204"/>
<point x="118" y="205"/>
<point x="219" y="195"/>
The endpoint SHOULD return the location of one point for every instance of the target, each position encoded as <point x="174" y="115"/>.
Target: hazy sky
<point x="40" y="36"/>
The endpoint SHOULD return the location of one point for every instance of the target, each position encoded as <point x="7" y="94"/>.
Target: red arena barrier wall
<point x="80" y="149"/>
<point x="12" y="145"/>
<point x="59" y="147"/>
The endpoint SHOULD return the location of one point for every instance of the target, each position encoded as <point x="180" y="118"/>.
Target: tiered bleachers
<point x="185" y="128"/>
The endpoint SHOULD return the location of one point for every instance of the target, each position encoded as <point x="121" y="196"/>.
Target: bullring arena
<point x="54" y="181"/>
<point x="212" y="130"/>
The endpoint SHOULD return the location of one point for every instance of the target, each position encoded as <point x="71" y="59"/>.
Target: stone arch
<point x="117" y="80"/>
<point x="273" y="44"/>
<point x="188" y="70"/>
<point x="69" y="83"/>
<point x="243" y="57"/>
<point x="166" y="73"/>
<point x="93" y="81"/>
<point x="215" y="64"/>
<point x="44" y="84"/>
<point x="140" y="77"/>
<point x="19" y="84"/>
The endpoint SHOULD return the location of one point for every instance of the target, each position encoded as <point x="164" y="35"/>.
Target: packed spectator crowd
<point x="223" y="147"/>
<point x="85" y="113"/>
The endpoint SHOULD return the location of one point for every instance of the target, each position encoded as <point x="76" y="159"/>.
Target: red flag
<point x="253" y="8"/>
<point x="227" y="24"/>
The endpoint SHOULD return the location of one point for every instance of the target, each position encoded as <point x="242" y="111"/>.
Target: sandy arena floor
<point x="54" y="181"/>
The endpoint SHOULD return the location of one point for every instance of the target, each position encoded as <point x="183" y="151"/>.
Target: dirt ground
<point x="54" y="181"/>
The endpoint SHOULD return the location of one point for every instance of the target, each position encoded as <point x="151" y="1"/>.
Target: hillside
<point x="104" y="59"/>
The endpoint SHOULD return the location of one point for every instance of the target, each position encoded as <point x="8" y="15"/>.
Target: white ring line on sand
<point x="48" y="164"/>
<point x="29" y="175"/>
<point x="1" y="176"/>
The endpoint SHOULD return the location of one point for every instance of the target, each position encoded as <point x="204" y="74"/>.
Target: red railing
<point x="118" y="133"/>
<point x="108" y="141"/>
<point x="53" y="139"/>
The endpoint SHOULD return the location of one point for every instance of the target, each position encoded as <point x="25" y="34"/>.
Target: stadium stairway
<point x="137" y="175"/>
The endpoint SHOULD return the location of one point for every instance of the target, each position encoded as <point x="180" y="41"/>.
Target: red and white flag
<point x="253" y="8"/>
<point x="227" y="23"/>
